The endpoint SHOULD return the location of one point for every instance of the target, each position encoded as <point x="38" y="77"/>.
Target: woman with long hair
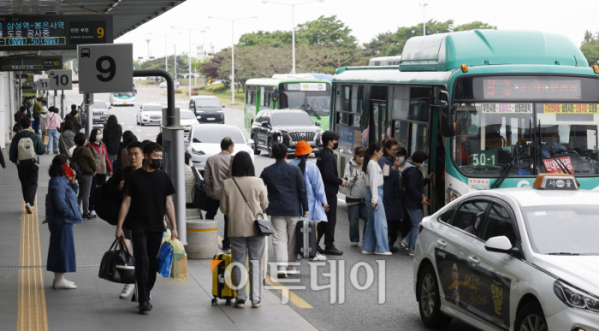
<point x="317" y="199"/>
<point x="112" y="137"/>
<point x="103" y="165"/>
<point x="244" y="199"/>
<point x="62" y="213"/>
<point x="376" y="238"/>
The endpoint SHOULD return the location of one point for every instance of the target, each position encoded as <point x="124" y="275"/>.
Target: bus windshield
<point x="556" y="137"/>
<point x="124" y="95"/>
<point x="314" y="103"/>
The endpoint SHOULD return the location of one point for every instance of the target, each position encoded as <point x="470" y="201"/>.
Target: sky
<point x="366" y="18"/>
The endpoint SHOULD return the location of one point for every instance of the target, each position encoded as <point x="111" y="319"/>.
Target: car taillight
<point x="420" y="227"/>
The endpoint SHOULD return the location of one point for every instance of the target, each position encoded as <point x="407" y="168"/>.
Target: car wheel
<point x="256" y="150"/>
<point x="270" y="147"/>
<point x="430" y="301"/>
<point x="531" y="318"/>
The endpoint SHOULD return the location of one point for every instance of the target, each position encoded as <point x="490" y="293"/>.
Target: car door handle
<point x="474" y="259"/>
<point x="441" y="243"/>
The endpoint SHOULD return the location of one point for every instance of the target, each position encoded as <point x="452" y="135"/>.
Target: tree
<point x="271" y="39"/>
<point x="476" y="25"/>
<point x="591" y="51"/>
<point x="588" y="37"/>
<point x="327" y="58"/>
<point x="325" y="30"/>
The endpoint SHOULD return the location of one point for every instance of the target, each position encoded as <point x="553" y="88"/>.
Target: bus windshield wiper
<point x="309" y="109"/>
<point x="514" y="160"/>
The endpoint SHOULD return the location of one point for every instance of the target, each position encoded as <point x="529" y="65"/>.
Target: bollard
<point x="202" y="236"/>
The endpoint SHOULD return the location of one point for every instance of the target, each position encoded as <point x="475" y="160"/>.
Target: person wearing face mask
<point x="355" y="194"/>
<point x="413" y="201"/>
<point x="328" y="169"/>
<point x="86" y="161"/>
<point x="146" y="220"/>
<point x="394" y="212"/>
<point x="103" y="165"/>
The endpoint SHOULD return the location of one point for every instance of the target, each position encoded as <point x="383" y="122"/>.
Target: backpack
<point x="107" y="202"/>
<point x="26" y="150"/>
<point x="199" y="192"/>
<point x="399" y="186"/>
<point x="75" y="165"/>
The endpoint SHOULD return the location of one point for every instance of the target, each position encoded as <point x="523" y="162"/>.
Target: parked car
<point x="204" y="141"/>
<point x="207" y="109"/>
<point x="150" y="113"/>
<point x="187" y="120"/>
<point x="288" y="126"/>
<point x="163" y="84"/>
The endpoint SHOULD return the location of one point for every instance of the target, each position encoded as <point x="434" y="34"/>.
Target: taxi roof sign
<point x="555" y="182"/>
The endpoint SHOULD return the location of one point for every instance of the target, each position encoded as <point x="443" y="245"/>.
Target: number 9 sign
<point x="105" y="68"/>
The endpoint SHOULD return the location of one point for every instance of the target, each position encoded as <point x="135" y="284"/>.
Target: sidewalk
<point x="95" y="304"/>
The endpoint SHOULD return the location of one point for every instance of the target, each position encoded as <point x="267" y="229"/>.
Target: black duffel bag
<point x="118" y="265"/>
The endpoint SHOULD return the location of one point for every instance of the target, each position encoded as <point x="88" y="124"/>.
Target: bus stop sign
<point x="105" y="68"/>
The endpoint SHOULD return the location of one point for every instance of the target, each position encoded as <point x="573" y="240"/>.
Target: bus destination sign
<point x="531" y="89"/>
<point x="47" y="32"/>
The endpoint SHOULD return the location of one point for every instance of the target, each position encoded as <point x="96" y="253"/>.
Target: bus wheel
<point x="269" y="147"/>
<point x="256" y="150"/>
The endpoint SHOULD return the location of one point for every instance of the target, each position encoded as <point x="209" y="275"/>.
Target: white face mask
<point x="402" y="159"/>
<point x="360" y="159"/>
<point x="99" y="137"/>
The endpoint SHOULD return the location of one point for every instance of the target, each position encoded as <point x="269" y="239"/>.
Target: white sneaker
<point x="64" y="285"/>
<point x="367" y="252"/>
<point x="319" y="257"/>
<point x="127" y="291"/>
<point x="382" y="253"/>
<point x="354" y="244"/>
<point x="92" y="213"/>
<point x="29" y="208"/>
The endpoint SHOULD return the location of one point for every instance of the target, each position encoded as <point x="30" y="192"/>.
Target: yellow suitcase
<point x="220" y="290"/>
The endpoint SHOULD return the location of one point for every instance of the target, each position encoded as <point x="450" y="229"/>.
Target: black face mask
<point x="156" y="163"/>
<point x="336" y="146"/>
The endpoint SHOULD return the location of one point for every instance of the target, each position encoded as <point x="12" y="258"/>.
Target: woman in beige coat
<point x="242" y="234"/>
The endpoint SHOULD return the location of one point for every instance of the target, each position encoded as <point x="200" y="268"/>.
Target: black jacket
<point x="393" y="205"/>
<point x="287" y="195"/>
<point x="113" y="141"/>
<point x="414" y="182"/>
<point x="328" y="169"/>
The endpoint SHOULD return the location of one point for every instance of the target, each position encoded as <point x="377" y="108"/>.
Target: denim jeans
<point x="354" y="212"/>
<point x="376" y="237"/>
<point x="416" y="216"/>
<point x="52" y="136"/>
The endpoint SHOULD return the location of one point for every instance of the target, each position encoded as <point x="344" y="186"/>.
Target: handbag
<point x="263" y="227"/>
<point x="118" y="265"/>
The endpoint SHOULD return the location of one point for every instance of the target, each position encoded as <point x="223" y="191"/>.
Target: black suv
<point x="285" y="126"/>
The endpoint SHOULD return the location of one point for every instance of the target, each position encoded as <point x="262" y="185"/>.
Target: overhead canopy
<point x="127" y="14"/>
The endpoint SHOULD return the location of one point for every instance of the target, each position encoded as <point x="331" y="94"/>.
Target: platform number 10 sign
<point x="61" y="80"/>
<point x="105" y="68"/>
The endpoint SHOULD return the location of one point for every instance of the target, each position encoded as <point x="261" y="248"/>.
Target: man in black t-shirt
<point x="147" y="197"/>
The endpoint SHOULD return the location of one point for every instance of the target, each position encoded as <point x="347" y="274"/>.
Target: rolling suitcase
<point x="220" y="290"/>
<point x="305" y="243"/>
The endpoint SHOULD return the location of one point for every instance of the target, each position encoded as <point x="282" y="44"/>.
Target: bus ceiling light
<point x="464" y="68"/>
<point x="595" y="68"/>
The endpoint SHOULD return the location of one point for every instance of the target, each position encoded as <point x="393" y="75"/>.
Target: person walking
<point x="62" y="213"/>
<point x="414" y="181"/>
<point x="25" y="149"/>
<point x="406" y="223"/>
<point x="376" y="238"/>
<point x="288" y="201"/>
<point x="86" y="161"/>
<point x="146" y="220"/>
<point x="53" y="122"/>
<point x="18" y="116"/>
<point x="328" y="168"/>
<point x="317" y="199"/>
<point x="103" y="165"/>
<point x="355" y="195"/>
<point x="76" y="118"/>
<point x="42" y="119"/>
<point x="244" y="199"/>
<point x="122" y="156"/>
<point x="216" y="171"/>
<point x="67" y="138"/>
<point x="37" y="111"/>
<point x="113" y="133"/>
<point x="393" y="207"/>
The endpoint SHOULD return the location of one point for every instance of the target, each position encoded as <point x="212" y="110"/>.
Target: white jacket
<point x="356" y="189"/>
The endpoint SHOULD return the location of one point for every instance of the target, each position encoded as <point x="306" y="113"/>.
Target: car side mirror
<point x="501" y="244"/>
<point x="265" y="125"/>
<point x="198" y="117"/>
<point x="448" y="121"/>
<point x="195" y="140"/>
<point x="317" y="123"/>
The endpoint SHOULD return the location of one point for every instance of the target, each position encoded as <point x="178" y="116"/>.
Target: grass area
<point x="220" y="91"/>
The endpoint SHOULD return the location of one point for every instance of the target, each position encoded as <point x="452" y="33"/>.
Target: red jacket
<point x="101" y="150"/>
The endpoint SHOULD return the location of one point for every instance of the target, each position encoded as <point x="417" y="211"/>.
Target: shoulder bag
<point x="263" y="227"/>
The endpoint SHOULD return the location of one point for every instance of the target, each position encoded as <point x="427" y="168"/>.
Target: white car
<point x="204" y="141"/>
<point x="187" y="119"/>
<point x="512" y="259"/>
<point x="150" y="113"/>
<point x="163" y="84"/>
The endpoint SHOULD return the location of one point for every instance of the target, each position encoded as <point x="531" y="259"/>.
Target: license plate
<point x="211" y="118"/>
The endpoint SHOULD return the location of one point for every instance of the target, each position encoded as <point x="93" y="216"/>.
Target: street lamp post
<point x="233" y="50"/>
<point x="189" y="55"/>
<point x="165" y="47"/>
<point x="292" y="5"/>
<point x="423" y="18"/>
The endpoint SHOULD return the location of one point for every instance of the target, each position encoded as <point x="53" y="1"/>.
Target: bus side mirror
<point x="448" y="122"/>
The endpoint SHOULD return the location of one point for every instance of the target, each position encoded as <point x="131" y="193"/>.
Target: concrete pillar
<point x="202" y="236"/>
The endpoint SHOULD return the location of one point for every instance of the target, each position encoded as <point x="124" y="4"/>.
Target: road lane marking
<point x="299" y="302"/>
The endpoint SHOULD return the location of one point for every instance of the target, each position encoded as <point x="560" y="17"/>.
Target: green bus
<point x="299" y="91"/>
<point x="491" y="108"/>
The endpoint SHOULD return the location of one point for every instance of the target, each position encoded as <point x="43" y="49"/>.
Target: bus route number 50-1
<point x="105" y="68"/>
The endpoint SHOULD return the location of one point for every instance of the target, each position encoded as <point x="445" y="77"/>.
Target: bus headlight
<point x="452" y="195"/>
